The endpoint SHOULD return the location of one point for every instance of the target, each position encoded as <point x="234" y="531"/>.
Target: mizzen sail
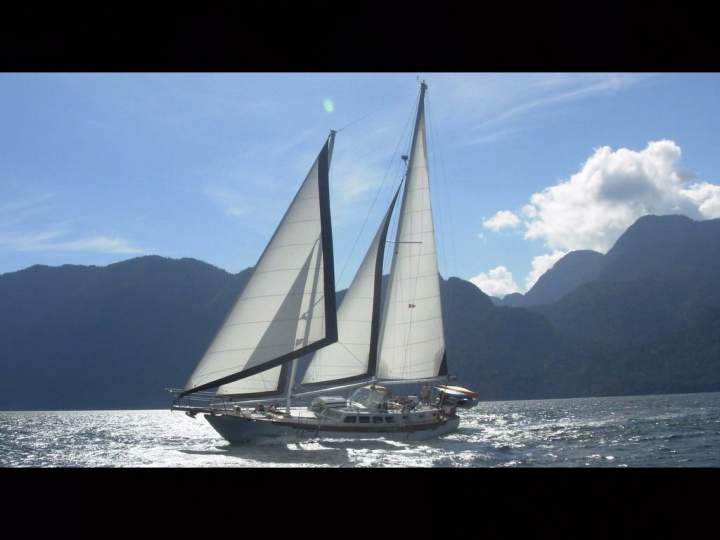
<point x="287" y="309"/>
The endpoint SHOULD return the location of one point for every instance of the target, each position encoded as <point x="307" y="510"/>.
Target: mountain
<point x="510" y="300"/>
<point x="653" y="312"/>
<point x="661" y="276"/>
<point x="574" y="269"/>
<point x="74" y="337"/>
<point x="667" y="246"/>
<point x="107" y="337"/>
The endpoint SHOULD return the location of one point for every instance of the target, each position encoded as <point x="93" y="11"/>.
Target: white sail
<point x="412" y="344"/>
<point x="287" y="308"/>
<point x="354" y="355"/>
<point x="263" y="383"/>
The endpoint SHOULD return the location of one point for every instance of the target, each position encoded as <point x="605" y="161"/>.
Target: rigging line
<point x="452" y="263"/>
<point x="448" y="196"/>
<point x="400" y="282"/>
<point x="402" y="84"/>
<point x="439" y="211"/>
<point x="443" y="215"/>
<point x="377" y="195"/>
<point x="359" y="119"/>
<point x="408" y="355"/>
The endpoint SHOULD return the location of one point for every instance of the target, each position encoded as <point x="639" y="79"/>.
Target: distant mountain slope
<point x="574" y="269"/>
<point x="510" y="300"/>
<point x="665" y="245"/>
<point x="75" y="337"/>
<point x="114" y="336"/>
<point x="661" y="276"/>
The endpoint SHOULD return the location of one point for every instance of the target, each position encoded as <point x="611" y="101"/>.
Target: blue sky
<point x="97" y="168"/>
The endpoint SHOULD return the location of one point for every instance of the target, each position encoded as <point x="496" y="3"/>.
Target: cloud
<point x="706" y="196"/>
<point x="489" y="101"/>
<point x="612" y="190"/>
<point x="491" y="137"/>
<point x="584" y="87"/>
<point x="95" y="244"/>
<point x="496" y="282"/>
<point x="51" y="240"/>
<point x="504" y="219"/>
<point x="540" y="265"/>
<point x="55" y="236"/>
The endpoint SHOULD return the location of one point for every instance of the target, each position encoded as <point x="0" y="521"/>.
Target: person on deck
<point x="425" y="394"/>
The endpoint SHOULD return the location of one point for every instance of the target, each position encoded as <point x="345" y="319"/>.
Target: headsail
<point x="412" y="343"/>
<point x="354" y="355"/>
<point x="287" y="308"/>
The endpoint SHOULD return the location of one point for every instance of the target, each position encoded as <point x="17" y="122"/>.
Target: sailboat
<point x="374" y="342"/>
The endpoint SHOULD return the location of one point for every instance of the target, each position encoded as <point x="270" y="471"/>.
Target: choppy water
<point x="635" y="431"/>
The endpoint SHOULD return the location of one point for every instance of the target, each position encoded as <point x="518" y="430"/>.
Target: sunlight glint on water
<point x="634" y="431"/>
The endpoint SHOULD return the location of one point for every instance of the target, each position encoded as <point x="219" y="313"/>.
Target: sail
<point x="354" y="355"/>
<point x="412" y="344"/>
<point x="287" y="308"/>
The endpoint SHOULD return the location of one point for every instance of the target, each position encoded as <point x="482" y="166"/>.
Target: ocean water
<point x="632" y="431"/>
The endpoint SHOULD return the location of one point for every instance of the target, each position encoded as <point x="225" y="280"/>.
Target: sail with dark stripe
<point x="354" y="355"/>
<point x="287" y="309"/>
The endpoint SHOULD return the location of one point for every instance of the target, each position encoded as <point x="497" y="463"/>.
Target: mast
<point x="328" y="248"/>
<point x="412" y="342"/>
<point x="290" y="385"/>
<point x="354" y="356"/>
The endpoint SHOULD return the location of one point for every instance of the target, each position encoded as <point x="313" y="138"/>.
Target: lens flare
<point x="328" y="105"/>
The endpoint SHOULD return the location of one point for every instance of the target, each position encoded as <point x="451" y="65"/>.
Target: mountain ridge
<point x="74" y="337"/>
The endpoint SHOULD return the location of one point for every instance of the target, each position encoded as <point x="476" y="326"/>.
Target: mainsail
<point x="412" y="344"/>
<point x="287" y="309"/>
<point x="354" y="355"/>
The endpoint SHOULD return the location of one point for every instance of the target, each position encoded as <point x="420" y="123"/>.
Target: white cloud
<point x="612" y="190"/>
<point x="15" y="235"/>
<point x="95" y="244"/>
<point x="496" y="282"/>
<point x="596" y="205"/>
<point x="706" y="196"/>
<point x="540" y="265"/>
<point x="576" y="87"/>
<point x="51" y="240"/>
<point x="490" y="137"/>
<point x="504" y="219"/>
<point x="491" y="100"/>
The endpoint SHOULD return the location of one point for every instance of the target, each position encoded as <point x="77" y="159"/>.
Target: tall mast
<point x="329" y="278"/>
<point x="412" y="342"/>
<point x="290" y="385"/>
<point x="408" y="163"/>
<point x="287" y="308"/>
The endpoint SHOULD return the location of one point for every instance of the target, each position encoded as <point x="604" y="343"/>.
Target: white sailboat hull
<point x="237" y="429"/>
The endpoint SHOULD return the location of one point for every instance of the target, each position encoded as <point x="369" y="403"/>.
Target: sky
<point x="524" y="167"/>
